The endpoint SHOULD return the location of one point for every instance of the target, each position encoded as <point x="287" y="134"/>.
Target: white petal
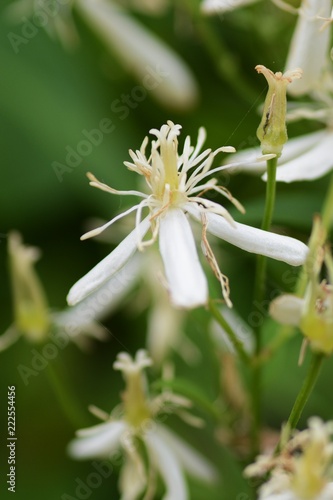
<point x="186" y="279"/>
<point x="99" y="441"/>
<point x="192" y="461"/>
<point x="254" y="240"/>
<point x="159" y="68"/>
<point x="309" y="46"/>
<point x="101" y="302"/>
<point x="132" y="479"/>
<point x="287" y="309"/>
<point x="313" y="164"/>
<point x="219" y="6"/>
<point x="168" y="466"/>
<point x="108" y="266"/>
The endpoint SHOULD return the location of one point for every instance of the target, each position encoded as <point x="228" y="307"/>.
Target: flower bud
<point x="30" y="307"/>
<point x="272" y="131"/>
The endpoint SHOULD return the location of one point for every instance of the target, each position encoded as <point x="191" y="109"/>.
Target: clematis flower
<point x="303" y="469"/>
<point x="155" y="65"/>
<point x="135" y="422"/>
<point x="174" y="194"/>
<point x="313" y="314"/>
<point x="33" y="318"/>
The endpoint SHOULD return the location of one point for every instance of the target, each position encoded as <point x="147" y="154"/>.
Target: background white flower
<point x="168" y="455"/>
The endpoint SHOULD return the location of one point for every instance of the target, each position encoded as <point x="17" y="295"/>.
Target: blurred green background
<point x="47" y="97"/>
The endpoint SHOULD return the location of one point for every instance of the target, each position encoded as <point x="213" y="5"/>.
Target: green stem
<point x="259" y="294"/>
<point x="285" y="332"/>
<point x="237" y="344"/>
<point x="65" y="399"/>
<point x="327" y="210"/>
<point x="224" y="60"/>
<point x="305" y="392"/>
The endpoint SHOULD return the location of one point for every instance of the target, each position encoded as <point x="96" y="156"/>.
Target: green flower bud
<point x="30" y="307"/>
<point x="272" y="131"/>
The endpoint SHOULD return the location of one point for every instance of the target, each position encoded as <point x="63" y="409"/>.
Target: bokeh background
<point x="47" y="97"/>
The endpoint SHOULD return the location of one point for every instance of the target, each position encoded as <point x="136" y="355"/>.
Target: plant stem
<point x="237" y="344"/>
<point x="259" y="294"/>
<point x="327" y="210"/>
<point x="285" y="332"/>
<point x="305" y="392"/>
<point x="224" y="60"/>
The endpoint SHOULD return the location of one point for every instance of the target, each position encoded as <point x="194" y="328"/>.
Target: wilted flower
<point x="136" y="422"/>
<point x="174" y="193"/>
<point x="157" y="67"/>
<point x="303" y="468"/>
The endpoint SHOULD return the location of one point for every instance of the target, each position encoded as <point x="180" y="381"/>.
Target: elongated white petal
<point x="287" y="309"/>
<point x="218" y="6"/>
<point x="168" y="466"/>
<point x="192" y="461"/>
<point x="186" y="279"/>
<point x="159" y="68"/>
<point x="99" y="441"/>
<point x="313" y="164"/>
<point x="132" y="479"/>
<point x="309" y="46"/>
<point x="108" y="266"/>
<point x="81" y="318"/>
<point x="254" y="240"/>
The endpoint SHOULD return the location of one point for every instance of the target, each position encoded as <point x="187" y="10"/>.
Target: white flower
<point x="168" y="455"/>
<point x="302" y="470"/>
<point x="310" y="44"/>
<point x="174" y="193"/>
<point x="155" y="65"/>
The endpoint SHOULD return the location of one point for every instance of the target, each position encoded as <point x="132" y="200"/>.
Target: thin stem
<point x="237" y="344"/>
<point x="327" y="210"/>
<point x="259" y="294"/>
<point x="223" y="59"/>
<point x="65" y="399"/>
<point x="305" y="392"/>
<point x="285" y="332"/>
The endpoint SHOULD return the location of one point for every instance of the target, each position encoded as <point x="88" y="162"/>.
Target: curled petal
<point x="186" y="279"/>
